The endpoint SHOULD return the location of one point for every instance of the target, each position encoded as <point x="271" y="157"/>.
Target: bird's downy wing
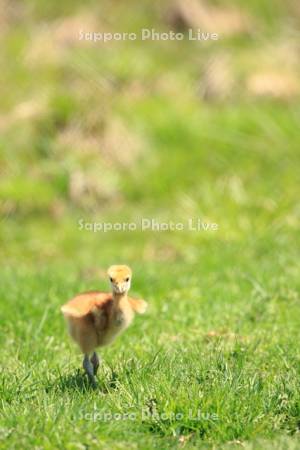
<point x="85" y="303"/>
<point x="138" y="305"/>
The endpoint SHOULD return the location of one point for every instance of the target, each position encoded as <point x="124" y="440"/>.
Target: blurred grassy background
<point x="156" y="129"/>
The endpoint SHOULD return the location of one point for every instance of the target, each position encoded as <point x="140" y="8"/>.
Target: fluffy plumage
<point x="96" y="318"/>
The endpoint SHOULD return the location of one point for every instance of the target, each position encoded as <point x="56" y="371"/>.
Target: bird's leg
<point x="89" y="368"/>
<point x="96" y="362"/>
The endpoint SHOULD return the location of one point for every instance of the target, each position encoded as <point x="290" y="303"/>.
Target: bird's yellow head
<point x="120" y="278"/>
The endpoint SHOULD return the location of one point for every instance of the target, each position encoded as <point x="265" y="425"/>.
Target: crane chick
<point x="96" y="318"/>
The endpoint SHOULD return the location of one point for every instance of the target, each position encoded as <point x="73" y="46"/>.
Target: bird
<point x="96" y="318"/>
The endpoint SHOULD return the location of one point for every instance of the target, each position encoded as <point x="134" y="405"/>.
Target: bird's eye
<point x="111" y="279"/>
<point x="127" y="279"/>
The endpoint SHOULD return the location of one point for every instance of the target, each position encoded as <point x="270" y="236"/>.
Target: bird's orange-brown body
<point x="96" y="318"/>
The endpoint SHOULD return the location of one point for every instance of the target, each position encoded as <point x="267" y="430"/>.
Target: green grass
<point x="215" y="339"/>
<point x="126" y="124"/>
